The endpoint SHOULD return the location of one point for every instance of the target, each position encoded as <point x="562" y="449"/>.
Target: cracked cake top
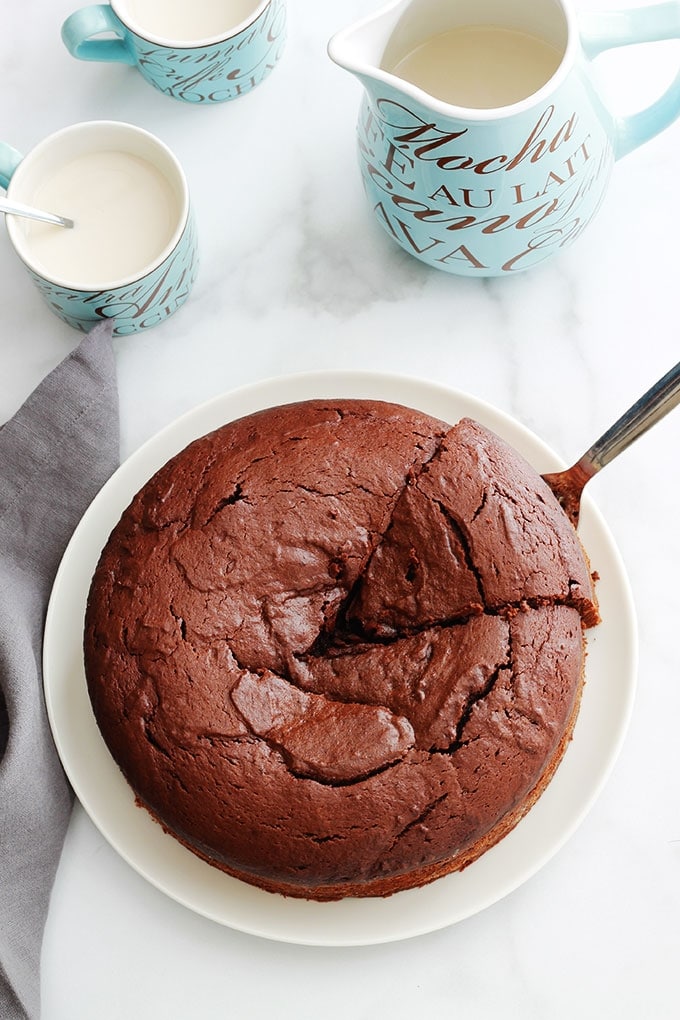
<point x="336" y="647"/>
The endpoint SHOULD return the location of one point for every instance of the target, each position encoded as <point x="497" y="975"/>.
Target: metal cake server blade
<point x="568" y="485"/>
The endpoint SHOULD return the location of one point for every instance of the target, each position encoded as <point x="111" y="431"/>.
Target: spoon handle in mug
<point x="19" y="209"/>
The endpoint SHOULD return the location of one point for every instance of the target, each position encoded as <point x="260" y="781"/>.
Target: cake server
<point x="568" y="485"/>
<point x="19" y="209"/>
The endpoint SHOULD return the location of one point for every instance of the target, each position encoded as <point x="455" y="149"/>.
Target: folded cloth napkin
<point x="55" y="454"/>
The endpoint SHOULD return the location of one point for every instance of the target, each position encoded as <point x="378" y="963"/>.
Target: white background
<point x="295" y="275"/>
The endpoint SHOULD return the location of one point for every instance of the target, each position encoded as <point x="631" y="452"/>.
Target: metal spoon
<point x="647" y="411"/>
<point x="19" y="209"/>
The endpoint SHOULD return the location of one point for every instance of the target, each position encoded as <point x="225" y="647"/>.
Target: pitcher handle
<point x="609" y="29"/>
<point x="9" y="161"/>
<point x="80" y="29"/>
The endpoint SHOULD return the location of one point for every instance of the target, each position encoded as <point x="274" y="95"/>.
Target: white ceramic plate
<point x="610" y="681"/>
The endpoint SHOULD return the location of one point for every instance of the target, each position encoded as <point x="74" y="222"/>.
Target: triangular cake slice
<point x="477" y="529"/>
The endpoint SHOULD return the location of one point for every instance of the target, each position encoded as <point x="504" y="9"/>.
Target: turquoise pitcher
<point x="488" y="191"/>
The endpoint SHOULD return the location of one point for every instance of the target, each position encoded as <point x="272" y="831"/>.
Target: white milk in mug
<point x="124" y="211"/>
<point x="131" y="255"/>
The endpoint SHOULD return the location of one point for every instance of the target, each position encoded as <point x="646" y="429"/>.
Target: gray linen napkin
<point x="55" y="454"/>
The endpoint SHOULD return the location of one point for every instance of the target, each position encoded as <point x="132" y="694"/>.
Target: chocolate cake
<point x="337" y="647"/>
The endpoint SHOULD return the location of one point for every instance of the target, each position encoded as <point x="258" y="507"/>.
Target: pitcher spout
<point x="360" y="48"/>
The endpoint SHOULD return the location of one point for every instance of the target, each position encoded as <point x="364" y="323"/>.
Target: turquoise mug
<point x="200" y="51"/>
<point x="131" y="255"/>
<point x="479" y="181"/>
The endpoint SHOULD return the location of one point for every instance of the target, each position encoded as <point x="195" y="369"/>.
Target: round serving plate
<point x="611" y="668"/>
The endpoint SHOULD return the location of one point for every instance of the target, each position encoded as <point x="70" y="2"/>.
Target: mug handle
<point x="78" y="30"/>
<point x="9" y="161"/>
<point x="608" y="29"/>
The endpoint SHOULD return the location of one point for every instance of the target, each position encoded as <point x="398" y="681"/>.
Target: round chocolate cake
<point x="336" y="647"/>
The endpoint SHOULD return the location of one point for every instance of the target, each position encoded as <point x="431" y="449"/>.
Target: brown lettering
<point x="392" y="163"/>
<point x="378" y="178"/>
<point x="493" y="226"/>
<point x="460" y="254"/>
<point x="564" y="134"/>
<point x="485" y="164"/>
<point x="541" y="211"/>
<point x="443" y="192"/>
<point x="382" y="213"/>
<point x="467" y="192"/>
<point x="418" y="210"/>
<point x="551" y="179"/>
<point x="372" y="128"/>
<point x="467" y="195"/>
<point x="520" y="197"/>
<point x="534" y="145"/>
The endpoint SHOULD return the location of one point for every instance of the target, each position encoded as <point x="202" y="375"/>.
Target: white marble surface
<point x="295" y="276"/>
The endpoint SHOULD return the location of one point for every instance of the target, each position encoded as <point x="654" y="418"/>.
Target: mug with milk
<point x="483" y="143"/>
<point x="200" y="51"/>
<point x="131" y="254"/>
